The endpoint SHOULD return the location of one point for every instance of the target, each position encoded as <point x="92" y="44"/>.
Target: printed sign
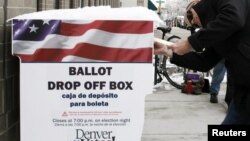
<point x="83" y="80"/>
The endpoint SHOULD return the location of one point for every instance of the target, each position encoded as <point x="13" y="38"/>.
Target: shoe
<point x="213" y="98"/>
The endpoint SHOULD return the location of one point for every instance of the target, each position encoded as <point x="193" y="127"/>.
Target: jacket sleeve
<point x="230" y="18"/>
<point x="197" y="61"/>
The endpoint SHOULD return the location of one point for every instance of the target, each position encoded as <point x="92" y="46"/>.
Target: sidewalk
<point x="173" y="116"/>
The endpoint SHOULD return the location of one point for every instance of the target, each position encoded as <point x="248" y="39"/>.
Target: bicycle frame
<point x="160" y="62"/>
<point x="157" y="73"/>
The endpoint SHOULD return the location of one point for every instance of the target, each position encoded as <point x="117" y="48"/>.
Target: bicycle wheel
<point x="158" y="69"/>
<point x="174" y="74"/>
<point x="173" y="38"/>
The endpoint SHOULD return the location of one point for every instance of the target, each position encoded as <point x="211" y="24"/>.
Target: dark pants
<point x="235" y="116"/>
<point x="229" y="91"/>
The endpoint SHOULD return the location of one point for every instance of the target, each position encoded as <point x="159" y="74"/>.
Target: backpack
<point x="193" y="83"/>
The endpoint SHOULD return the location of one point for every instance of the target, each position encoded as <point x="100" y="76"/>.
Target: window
<point x="39" y="5"/>
<point x="72" y="4"/>
<point x="57" y="4"/>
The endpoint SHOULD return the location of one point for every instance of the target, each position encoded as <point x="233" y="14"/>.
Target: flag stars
<point x="33" y="28"/>
<point x="46" y="22"/>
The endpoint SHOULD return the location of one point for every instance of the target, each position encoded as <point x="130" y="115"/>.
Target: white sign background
<point x="46" y="116"/>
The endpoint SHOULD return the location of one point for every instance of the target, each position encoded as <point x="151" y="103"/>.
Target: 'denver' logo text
<point x="82" y="135"/>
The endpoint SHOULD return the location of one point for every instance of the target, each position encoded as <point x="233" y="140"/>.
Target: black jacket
<point x="226" y="29"/>
<point x="226" y="34"/>
<point x="224" y="21"/>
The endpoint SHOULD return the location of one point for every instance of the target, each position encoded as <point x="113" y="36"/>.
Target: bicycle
<point x="173" y="73"/>
<point x="163" y="67"/>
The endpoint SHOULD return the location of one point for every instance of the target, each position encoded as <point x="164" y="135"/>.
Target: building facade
<point x="134" y="3"/>
<point x="9" y="65"/>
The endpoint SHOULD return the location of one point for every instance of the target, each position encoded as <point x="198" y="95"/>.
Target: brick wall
<point x="9" y="65"/>
<point x="9" y="70"/>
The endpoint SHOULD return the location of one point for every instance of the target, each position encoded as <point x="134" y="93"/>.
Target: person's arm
<point x="197" y="61"/>
<point x="229" y="20"/>
<point x="193" y="60"/>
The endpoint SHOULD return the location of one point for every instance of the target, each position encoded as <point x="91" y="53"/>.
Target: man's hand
<point x="161" y="49"/>
<point x="181" y="47"/>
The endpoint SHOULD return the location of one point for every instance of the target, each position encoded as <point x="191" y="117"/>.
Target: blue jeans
<point x="218" y="76"/>
<point x="234" y="116"/>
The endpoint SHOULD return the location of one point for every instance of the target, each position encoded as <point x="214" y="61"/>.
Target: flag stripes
<point x="91" y="51"/>
<point x="55" y="41"/>
<point x="129" y="27"/>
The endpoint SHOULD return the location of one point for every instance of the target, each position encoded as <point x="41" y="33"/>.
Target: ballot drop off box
<point x="83" y="80"/>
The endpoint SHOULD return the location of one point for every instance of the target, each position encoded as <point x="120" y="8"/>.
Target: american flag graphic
<point x="83" y="41"/>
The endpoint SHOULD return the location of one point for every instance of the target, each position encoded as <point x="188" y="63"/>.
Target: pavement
<point x="173" y="116"/>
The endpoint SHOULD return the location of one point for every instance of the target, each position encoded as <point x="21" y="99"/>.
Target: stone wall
<point x="9" y="69"/>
